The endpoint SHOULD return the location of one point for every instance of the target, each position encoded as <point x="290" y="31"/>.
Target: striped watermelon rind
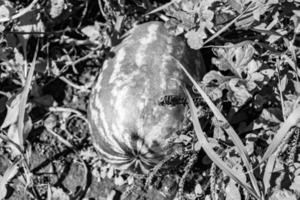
<point x="130" y="129"/>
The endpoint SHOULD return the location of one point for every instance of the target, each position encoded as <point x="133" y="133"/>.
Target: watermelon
<point x="130" y="129"/>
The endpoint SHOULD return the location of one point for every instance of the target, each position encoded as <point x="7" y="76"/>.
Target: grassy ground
<point x="248" y="103"/>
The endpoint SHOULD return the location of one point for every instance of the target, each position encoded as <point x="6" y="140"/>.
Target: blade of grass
<point x="268" y="32"/>
<point x="229" y="24"/>
<point x="227" y="127"/>
<point x="211" y="153"/>
<point x="292" y="120"/>
<point x="268" y="173"/>
<point x="21" y="12"/>
<point x="280" y="88"/>
<point x="24" y="99"/>
<point x="162" y="7"/>
<point x="49" y="192"/>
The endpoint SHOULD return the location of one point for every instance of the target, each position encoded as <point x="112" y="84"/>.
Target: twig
<point x="240" y="44"/>
<point x="61" y="109"/>
<point x="21" y="13"/>
<point x="280" y="89"/>
<point x="163" y="17"/>
<point x="70" y="60"/>
<point x="32" y="32"/>
<point x="40" y="32"/>
<point x="89" y="55"/>
<point x="83" y="14"/>
<point x="65" y="67"/>
<point x="60" y="138"/>
<point x="101" y="9"/>
<point x="78" y="87"/>
<point x="6" y="94"/>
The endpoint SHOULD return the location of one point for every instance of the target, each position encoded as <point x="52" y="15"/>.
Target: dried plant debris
<point x="239" y="130"/>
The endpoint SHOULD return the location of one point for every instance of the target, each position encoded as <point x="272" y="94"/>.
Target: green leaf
<point x="237" y="58"/>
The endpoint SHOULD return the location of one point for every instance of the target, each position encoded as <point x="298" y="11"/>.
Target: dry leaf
<point x="295" y="186"/>
<point x="59" y="194"/>
<point x="12" y="134"/>
<point x="232" y="191"/>
<point x="283" y="195"/>
<point x="271" y="115"/>
<point x="214" y="76"/>
<point x="30" y="22"/>
<point x="195" y="38"/>
<point x="110" y="172"/>
<point x="198" y="189"/>
<point x="56" y="8"/>
<point x="240" y="94"/>
<point x="8" y="175"/>
<point x="119" y="180"/>
<point x="93" y="32"/>
<point x="6" y="9"/>
<point x="40" y="65"/>
<point x="183" y="139"/>
<point x="12" y="111"/>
